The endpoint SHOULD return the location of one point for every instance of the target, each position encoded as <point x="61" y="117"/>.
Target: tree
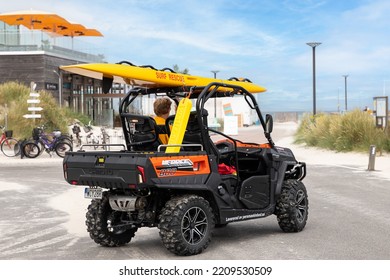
<point x="177" y="69"/>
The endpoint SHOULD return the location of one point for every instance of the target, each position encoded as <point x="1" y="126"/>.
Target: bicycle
<point x="47" y="142"/>
<point x="91" y="138"/>
<point x="9" y="145"/>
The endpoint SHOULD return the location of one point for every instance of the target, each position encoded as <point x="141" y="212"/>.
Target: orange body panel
<point x="246" y="145"/>
<point x="173" y="166"/>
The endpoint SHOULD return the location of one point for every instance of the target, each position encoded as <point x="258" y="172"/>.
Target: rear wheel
<point x="186" y="225"/>
<point x="292" y="206"/>
<point x="31" y="150"/>
<point x="66" y="139"/>
<point x="10" y="147"/>
<point x="102" y="222"/>
<point x="63" y="147"/>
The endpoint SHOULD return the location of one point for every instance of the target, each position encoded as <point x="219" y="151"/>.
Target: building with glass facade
<point x="34" y="56"/>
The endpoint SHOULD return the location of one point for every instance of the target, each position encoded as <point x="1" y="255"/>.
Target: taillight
<point x="65" y="167"/>
<point x="141" y="174"/>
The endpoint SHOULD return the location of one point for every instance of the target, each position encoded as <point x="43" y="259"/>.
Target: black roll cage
<point x="202" y="95"/>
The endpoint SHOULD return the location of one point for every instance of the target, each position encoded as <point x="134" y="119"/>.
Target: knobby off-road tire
<point x="99" y="212"/>
<point x="186" y="224"/>
<point x="292" y="206"/>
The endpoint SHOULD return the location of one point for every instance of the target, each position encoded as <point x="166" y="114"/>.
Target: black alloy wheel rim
<point x="301" y="206"/>
<point x="194" y="225"/>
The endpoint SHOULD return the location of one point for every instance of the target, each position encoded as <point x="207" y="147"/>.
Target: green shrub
<point x="71" y="116"/>
<point x="13" y="101"/>
<point x="354" y="131"/>
<point x="11" y="92"/>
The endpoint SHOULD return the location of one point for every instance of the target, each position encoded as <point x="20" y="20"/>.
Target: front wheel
<point x="186" y="224"/>
<point x="10" y="147"/>
<point x="292" y="206"/>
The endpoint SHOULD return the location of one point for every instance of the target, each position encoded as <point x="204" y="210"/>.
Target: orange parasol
<point x="75" y="29"/>
<point x="48" y="22"/>
<point x="32" y="19"/>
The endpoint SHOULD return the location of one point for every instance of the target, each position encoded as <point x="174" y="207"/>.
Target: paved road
<point x="348" y="219"/>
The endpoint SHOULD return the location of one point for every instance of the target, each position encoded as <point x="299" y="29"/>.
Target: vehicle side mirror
<point x="269" y="123"/>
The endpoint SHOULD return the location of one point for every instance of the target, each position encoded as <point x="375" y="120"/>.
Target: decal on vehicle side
<point x="164" y="172"/>
<point x="245" y="217"/>
<point x="180" y="165"/>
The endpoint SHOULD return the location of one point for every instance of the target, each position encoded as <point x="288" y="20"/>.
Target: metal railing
<point x="72" y="48"/>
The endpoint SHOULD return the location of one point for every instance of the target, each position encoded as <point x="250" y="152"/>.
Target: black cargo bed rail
<point x="101" y="145"/>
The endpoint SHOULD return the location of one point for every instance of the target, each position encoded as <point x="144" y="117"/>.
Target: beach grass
<point x="13" y="105"/>
<point x="352" y="131"/>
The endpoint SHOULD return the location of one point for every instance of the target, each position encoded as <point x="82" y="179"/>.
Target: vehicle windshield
<point x="234" y="117"/>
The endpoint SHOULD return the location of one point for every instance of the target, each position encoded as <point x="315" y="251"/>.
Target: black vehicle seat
<point x="169" y="124"/>
<point x="142" y="132"/>
<point x="193" y="134"/>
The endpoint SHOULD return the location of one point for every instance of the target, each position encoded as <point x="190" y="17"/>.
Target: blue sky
<point x="264" y="41"/>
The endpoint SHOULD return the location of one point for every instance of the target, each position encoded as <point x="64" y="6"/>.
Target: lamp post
<point x="346" y="97"/>
<point x="313" y="45"/>
<point x="384" y="87"/>
<point x="215" y="97"/>
<point x="338" y="100"/>
<point x="59" y="87"/>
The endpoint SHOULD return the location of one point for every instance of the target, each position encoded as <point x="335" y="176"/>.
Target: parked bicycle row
<point x="48" y="142"/>
<point x="56" y="141"/>
<point x="91" y="138"/>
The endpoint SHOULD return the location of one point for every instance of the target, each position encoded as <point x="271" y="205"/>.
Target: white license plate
<point x="93" y="193"/>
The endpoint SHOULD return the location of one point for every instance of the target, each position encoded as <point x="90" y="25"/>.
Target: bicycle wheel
<point x="31" y="150"/>
<point x="65" y="138"/>
<point x="10" y="147"/>
<point x="62" y="147"/>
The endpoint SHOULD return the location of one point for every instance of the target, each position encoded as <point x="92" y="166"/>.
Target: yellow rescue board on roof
<point x="148" y="77"/>
<point x="179" y="125"/>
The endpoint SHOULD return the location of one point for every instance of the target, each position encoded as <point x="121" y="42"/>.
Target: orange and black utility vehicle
<point x="208" y="183"/>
